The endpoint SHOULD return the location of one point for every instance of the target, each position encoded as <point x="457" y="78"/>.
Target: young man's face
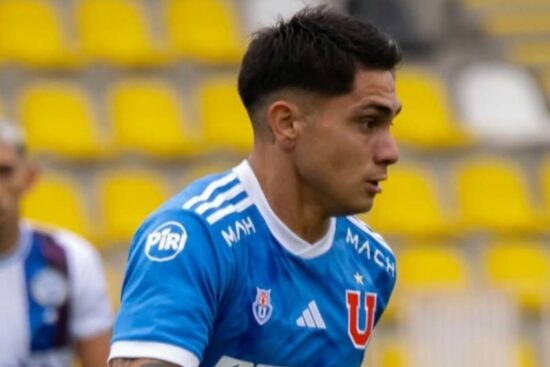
<point x="15" y="179"/>
<point x="346" y="145"/>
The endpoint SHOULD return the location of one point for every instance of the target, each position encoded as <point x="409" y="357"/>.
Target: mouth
<point x="374" y="187"/>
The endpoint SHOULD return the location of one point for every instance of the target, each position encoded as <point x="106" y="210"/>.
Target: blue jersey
<point x="215" y="278"/>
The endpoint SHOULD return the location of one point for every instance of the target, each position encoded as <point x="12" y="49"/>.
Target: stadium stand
<point x="114" y="282"/>
<point x="224" y="119"/>
<point x="410" y="205"/>
<point x="493" y="196"/>
<point x="530" y="53"/>
<point x="435" y="267"/>
<point x="545" y="81"/>
<point x="522" y="268"/>
<point x="502" y="104"/>
<point x="117" y="32"/>
<point x="203" y="168"/>
<point x="141" y="190"/>
<point x="57" y="199"/>
<point x="31" y="34"/>
<point x="205" y="30"/>
<point x="58" y="119"/>
<point x="433" y="112"/>
<point x="525" y="354"/>
<point x="148" y="118"/>
<point x="483" y="4"/>
<point x="545" y="182"/>
<point x="258" y="14"/>
<point x="518" y="23"/>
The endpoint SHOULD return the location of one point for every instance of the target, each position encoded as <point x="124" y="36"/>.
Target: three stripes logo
<point x="311" y="317"/>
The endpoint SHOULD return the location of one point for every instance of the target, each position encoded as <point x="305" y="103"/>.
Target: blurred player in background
<point x="54" y="300"/>
<point x="266" y="264"/>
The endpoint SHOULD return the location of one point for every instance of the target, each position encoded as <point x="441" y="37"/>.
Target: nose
<point x="386" y="152"/>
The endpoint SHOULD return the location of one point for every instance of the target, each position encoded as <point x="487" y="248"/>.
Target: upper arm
<point x="91" y="312"/>
<point x="173" y="284"/>
<point x="94" y="351"/>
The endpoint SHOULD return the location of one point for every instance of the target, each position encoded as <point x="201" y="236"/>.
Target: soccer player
<point x="53" y="296"/>
<point x="266" y="264"/>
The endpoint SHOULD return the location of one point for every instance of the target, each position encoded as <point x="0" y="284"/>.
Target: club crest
<point x="262" y="307"/>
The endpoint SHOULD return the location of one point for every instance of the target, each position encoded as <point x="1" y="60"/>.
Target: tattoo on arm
<point x="132" y="362"/>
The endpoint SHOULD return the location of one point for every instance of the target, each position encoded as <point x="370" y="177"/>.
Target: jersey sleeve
<point x="91" y="312"/>
<point x="174" y="281"/>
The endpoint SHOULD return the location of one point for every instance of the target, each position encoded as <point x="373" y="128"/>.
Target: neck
<point x="287" y="195"/>
<point x="9" y="235"/>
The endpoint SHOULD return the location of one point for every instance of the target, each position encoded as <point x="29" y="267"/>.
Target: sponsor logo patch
<point x="165" y="242"/>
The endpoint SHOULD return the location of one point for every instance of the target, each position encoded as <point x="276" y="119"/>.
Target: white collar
<point x="288" y="239"/>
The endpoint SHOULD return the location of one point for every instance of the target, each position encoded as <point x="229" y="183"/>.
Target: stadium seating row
<point x="520" y="28"/>
<point x="146" y="116"/>
<point x="520" y="267"/>
<point x="496" y="104"/>
<point x="118" y="32"/>
<point x="491" y="196"/>
<point x="392" y="352"/>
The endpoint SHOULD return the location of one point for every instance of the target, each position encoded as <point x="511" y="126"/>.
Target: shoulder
<point x="76" y="248"/>
<point x="190" y="217"/>
<point x="216" y="197"/>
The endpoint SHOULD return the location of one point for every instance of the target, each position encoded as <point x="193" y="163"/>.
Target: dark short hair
<point x="317" y="50"/>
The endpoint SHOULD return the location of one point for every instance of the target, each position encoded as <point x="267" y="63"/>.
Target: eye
<point x="368" y="124"/>
<point x="6" y="170"/>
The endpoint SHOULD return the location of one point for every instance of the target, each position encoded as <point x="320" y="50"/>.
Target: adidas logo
<point x="311" y="317"/>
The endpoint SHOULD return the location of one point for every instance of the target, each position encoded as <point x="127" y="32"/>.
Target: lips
<point x="373" y="186"/>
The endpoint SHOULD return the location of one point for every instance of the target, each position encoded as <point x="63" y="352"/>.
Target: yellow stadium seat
<point x="114" y="277"/>
<point x="522" y="268"/>
<point x="224" y="118"/>
<point x="426" y="122"/>
<point x="409" y="205"/>
<point x="479" y="4"/>
<point x="395" y="355"/>
<point x="117" y="32"/>
<point x="493" y="196"/>
<point x="518" y="23"/>
<point x="202" y="169"/>
<point x="30" y="33"/>
<point x="531" y="53"/>
<point x="127" y="198"/>
<point x="545" y="176"/>
<point x="58" y="119"/>
<point x="147" y="117"/>
<point x="526" y="354"/>
<point x="432" y="268"/>
<point x="205" y="30"/>
<point x="57" y="200"/>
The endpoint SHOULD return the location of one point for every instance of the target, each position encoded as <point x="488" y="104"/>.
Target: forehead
<point x="375" y="87"/>
<point x="372" y="88"/>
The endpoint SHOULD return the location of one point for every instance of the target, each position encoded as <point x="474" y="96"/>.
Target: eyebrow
<point x="380" y="108"/>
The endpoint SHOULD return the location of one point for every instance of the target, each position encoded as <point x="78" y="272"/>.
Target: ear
<point x="285" y="122"/>
<point x="31" y="175"/>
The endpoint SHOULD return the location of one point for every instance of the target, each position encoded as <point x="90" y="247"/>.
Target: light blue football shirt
<point x="214" y="278"/>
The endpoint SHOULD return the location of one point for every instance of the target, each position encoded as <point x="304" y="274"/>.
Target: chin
<point x="357" y="208"/>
